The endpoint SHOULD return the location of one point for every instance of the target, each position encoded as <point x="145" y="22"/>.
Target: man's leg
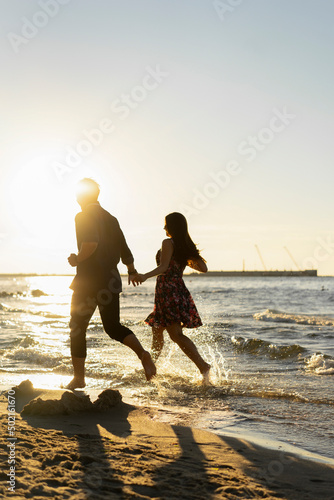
<point x="82" y="309"/>
<point x="144" y="356"/>
<point x="111" y="323"/>
<point x="78" y="380"/>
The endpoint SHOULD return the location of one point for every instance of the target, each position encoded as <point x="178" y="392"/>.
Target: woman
<point x="174" y="307"/>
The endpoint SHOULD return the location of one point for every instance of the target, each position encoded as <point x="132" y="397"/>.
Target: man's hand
<point x="133" y="278"/>
<point x="73" y="260"/>
<point x="87" y="249"/>
<point x="137" y="279"/>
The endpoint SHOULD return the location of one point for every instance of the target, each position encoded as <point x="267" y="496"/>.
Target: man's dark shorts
<point x="83" y="307"/>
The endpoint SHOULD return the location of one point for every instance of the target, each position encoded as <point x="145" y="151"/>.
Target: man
<point x="97" y="283"/>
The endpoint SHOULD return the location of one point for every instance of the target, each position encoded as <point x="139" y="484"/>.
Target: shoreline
<point x="237" y="432"/>
<point x="180" y="416"/>
<point x="274" y="444"/>
<point x="128" y="452"/>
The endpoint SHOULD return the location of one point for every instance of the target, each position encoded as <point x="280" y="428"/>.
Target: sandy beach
<point x="127" y="452"/>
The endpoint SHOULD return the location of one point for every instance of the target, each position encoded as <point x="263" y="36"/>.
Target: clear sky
<point x="223" y="110"/>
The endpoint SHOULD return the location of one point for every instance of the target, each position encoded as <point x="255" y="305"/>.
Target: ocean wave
<point x="282" y="317"/>
<point x="268" y="394"/>
<point x="27" y="341"/>
<point x="32" y="356"/>
<point x="38" y="293"/>
<point x="282" y="394"/>
<point x="137" y="294"/>
<point x="262" y="347"/>
<point x="5" y="308"/>
<point x="320" y="364"/>
<point x="7" y="323"/>
<point x="222" y="324"/>
<point x="18" y="293"/>
<point x="11" y="294"/>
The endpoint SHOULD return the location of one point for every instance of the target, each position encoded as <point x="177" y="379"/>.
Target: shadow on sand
<point x="122" y="454"/>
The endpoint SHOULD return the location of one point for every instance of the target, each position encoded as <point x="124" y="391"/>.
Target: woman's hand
<point x="141" y="278"/>
<point x="198" y="264"/>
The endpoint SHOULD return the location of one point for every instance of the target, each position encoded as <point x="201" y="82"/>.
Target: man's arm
<point x="86" y="250"/>
<point x="126" y="254"/>
<point x="87" y="233"/>
<point x="127" y="258"/>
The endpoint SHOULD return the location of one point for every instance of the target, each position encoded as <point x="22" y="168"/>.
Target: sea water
<point x="270" y="342"/>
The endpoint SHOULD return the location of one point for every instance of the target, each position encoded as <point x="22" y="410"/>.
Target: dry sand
<point x="126" y="453"/>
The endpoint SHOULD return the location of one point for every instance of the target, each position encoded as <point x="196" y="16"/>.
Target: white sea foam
<point x="282" y="317"/>
<point x="320" y="364"/>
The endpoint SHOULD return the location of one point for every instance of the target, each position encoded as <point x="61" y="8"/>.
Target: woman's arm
<point x="198" y="264"/>
<point x="167" y="249"/>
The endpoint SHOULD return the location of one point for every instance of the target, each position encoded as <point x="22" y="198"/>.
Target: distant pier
<point x="272" y="274"/>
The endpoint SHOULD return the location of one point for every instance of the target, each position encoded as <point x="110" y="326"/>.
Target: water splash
<point x="320" y="364"/>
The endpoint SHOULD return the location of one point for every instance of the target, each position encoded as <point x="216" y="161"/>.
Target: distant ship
<point x="228" y="274"/>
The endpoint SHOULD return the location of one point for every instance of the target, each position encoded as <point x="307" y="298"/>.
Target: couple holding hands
<point x="97" y="283"/>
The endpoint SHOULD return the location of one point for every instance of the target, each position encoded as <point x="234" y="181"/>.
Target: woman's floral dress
<point x="173" y="302"/>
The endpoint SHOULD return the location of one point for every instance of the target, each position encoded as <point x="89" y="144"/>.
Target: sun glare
<point x="42" y="209"/>
<point x="40" y="205"/>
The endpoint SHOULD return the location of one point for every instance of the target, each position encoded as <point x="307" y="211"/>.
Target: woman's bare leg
<point x="189" y="348"/>
<point x="157" y="342"/>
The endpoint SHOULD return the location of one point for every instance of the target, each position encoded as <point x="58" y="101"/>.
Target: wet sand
<point x="126" y="452"/>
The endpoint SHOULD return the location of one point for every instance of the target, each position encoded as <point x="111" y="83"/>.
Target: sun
<point x="42" y="208"/>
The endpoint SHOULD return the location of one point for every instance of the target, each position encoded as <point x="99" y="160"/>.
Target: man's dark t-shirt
<point x="99" y="272"/>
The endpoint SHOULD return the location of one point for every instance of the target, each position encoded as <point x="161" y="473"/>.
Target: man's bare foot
<point x="148" y="365"/>
<point x="76" y="384"/>
<point x="206" y="375"/>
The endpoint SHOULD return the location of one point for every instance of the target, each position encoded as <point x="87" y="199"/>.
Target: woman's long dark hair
<point x="184" y="247"/>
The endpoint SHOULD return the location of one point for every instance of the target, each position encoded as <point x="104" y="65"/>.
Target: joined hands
<point x="136" y="279"/>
